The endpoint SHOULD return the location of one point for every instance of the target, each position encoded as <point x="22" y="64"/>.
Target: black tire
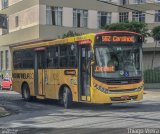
<point x="67" y="98"/>
<point x="26" y="93"/>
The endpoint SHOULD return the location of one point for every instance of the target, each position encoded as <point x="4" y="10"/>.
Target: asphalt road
<point x="42" y="116"/>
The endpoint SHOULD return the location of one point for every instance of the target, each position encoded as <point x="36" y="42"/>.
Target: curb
<point x="3" y="112"/>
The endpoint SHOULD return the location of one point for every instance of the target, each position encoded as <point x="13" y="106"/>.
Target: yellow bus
<point x="104" y="67"/>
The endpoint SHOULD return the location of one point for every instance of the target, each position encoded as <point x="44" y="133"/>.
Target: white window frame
<point x="137" y="16"/>
<point x="16" y="21"/>
<point x="123" y="16"/>
<point x="80" y="18"/>
<point x="4" y="3"/>
<point x="107" y="15"/>
<point x="124" y="2"/>
<point x="157" y="16"/>
<point x="139" y="1"/>
<point x="54" y="15"/>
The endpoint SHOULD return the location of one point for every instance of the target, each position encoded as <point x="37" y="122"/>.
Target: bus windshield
<point x="117" y="61"/>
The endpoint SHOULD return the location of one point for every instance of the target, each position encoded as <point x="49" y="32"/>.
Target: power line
<point x="132" y="9"/>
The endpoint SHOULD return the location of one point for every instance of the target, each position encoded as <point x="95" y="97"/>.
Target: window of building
<point x="54" y="15"/>
<point x="4" y="3"/>
<point x="108" y="0"/>
<point x="16" y="21"/>
<point x="157" y="16"/>
<point x="123" y="17"/>
<point x="138" y="16"/>
<point x="7" y="59"/>
<point x="124" y="2"/>
<point x="80" y="18"/>
<point x="4" y="25"/>
<point x="139" y="1"/>
<point x="104" y="18"/>
<point x="1" y="60"/>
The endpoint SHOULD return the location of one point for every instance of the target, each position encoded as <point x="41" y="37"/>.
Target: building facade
<point x="39" y="20"/>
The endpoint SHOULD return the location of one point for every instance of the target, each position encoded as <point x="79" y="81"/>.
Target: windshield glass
<point x="117" y="61"/>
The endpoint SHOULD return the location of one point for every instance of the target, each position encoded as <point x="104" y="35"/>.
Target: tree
<point x="70" y="34"/>
<point x="133" y="26"/>
<point x="156" y="36"/>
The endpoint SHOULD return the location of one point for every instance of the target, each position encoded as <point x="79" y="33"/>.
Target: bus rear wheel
<point x="26" y="93"/>
<point x="67" y="97"/>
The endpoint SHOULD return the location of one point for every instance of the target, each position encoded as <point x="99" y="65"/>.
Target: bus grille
<point x="120" y="81"/>
<point x="121" y="99"/>
<point x="122" y="91"/>
<point x="129" y="81"/>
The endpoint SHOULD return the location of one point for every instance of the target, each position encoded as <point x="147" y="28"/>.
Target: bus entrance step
<point x="40" y="97"/>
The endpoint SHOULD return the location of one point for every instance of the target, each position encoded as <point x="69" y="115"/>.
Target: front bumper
<point x="117" y="98"/>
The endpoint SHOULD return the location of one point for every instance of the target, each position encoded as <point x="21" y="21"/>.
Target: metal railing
<point x="152" y="76"/>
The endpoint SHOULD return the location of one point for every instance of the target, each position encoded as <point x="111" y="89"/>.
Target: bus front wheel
<point x="67" y="97"/>
<point x="26" y="93"/>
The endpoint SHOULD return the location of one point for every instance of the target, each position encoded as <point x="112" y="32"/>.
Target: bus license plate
<point x="125" y="97"/>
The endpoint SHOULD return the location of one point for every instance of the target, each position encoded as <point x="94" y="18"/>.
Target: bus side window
<point x="28" y="59"/>
<point x="72" y="58"/>
<point x="17" y="59"/>
<point x="63" y="56"/>
<point x="55" y="56"/>
<point x="50" y="57"/>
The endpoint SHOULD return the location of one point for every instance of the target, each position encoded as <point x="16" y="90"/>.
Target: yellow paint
<point x="50" y="80"/>
<point x="83" y="98"/>
<point x="40" y="97"/>
<point x="17" y="82"/>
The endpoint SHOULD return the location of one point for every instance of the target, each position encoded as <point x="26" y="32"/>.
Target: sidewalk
<point x="152" y="90"/>
<point x="152" y="93"/>
<point x="3" y="112"/>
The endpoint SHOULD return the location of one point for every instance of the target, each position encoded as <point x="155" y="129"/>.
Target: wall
<point x="11" y="2"/>
<point x="27" y="18"/>
<point x="4" y="71"/>
<point x="67" y="17"/>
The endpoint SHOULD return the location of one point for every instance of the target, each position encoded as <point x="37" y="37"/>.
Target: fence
<point x="152" y="76"/>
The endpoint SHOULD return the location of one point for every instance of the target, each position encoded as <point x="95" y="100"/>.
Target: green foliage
<point x="133" y="26"/>
<point x="70" y="34"/>
<point x="156" y="33"/>
<point x="116" y="26"/>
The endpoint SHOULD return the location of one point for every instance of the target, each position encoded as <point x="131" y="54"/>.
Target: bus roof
<point x="89" y="36"/>
<point x="108" y="32"/>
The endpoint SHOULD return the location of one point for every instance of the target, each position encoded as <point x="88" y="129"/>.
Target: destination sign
<point x="129" y="39"/>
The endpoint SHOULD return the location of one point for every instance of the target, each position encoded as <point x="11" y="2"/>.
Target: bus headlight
<point x="140" y="88"/>
<point x="104" y="90"/>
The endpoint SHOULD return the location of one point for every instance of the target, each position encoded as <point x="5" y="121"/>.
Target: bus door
<point x="84" y="72"/>
<point x="39" y="71"/>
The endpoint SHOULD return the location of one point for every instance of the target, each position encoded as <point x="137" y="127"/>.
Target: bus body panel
<point x="21" y="76"/>
<point x="56" y="78"/>
<point x="53" y="79"/>
<point x="101" y="96"/>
